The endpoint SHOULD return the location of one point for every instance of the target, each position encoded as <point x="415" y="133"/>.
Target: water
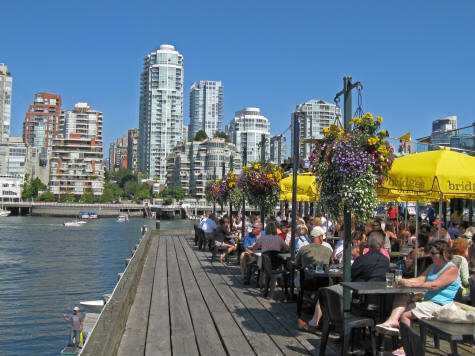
<point x="46" y="269"/>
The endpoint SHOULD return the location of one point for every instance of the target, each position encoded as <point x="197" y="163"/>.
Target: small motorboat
<point x="123" y="218"/>
<point x="72" y="223"/>
<point x="4" y="212"/>
<point x="95" y="304"/>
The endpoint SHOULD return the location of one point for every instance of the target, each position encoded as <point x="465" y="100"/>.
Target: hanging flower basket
<point x="211" y="191"/>
<point x="260" y="183"/>
<point x="348" y="165"/>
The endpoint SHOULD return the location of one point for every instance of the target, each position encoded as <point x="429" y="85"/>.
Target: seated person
<point x="315" y="252"/>
<point x="460" y="250"/>
<point x="302" y="238"/>
<point x="371" y="266"/>
<point x="248" y="255"/>
<point x="271" y="241"/>
<point x="223" y="237"/>
<point x="440" y="278"/>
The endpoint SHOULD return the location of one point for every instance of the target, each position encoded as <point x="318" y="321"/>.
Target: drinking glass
<point x="389" y="280"/>
<point x="398" y="275"/>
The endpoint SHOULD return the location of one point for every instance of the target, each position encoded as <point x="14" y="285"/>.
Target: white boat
<point x="4" y="212"/>
<point x="96" y="304"/>
<point x="72" y="223"/>
<point x="81" y="222"/>
<point x="123" y="218"/>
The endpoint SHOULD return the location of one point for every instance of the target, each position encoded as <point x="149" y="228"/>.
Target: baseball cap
<point x="317" y="231"/>
<point x="76" y="309"/>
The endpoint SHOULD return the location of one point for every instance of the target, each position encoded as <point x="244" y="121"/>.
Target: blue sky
<point x="416" y="59"/>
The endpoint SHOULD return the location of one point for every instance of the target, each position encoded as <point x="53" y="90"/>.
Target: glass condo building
<point x="206" y="107"/>
<point x="161" y="110"/>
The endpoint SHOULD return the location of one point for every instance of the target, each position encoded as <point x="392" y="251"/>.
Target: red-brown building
<point x="41" y="124"/>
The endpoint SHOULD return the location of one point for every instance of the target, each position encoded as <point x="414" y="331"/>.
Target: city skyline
<point x="413" y="69"/>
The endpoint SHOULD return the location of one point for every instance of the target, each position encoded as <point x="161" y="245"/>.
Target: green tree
<point x="178" y="193"/>
<point x="142" y="192"/>
<point x="88" y="198"/>
<point x="116" y="191"/>
<point x="67" y="198"/>
<point x="107" y="196"/>
<point x="123" y="176"/>
<point x="200" y="136"/>
<point x="32" y="187"/>
<point x="131" y="188"/>
<point x="46" y="196"/>
<point x="168" y="201"/>
<point x="221" y="135"/>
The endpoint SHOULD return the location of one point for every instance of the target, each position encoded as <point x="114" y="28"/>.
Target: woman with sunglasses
<point x="441" y="279"/>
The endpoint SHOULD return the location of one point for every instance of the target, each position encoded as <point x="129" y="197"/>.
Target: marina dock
<point x="172" y="300"/>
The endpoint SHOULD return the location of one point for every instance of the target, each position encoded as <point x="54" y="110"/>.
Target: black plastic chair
<point x="308" y="285"/>
<point x="196" y="228"/>
<point x="332" y="310"/>
<point x="273" y="271"/>
<point x="411" y="341"/>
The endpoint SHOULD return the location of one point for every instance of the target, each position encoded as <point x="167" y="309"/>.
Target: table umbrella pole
<point x="417" y="237"/>
<point x="440" y="215"/>
<point x="405" y="216"/>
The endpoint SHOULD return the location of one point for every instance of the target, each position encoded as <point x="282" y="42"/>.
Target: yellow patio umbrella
<point x="435" y="172"/>
<point x="428" y="175"/>
<point x="306" y="188"/>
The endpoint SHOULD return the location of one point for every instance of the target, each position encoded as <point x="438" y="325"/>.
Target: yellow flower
<point x="356" y="120"/>
<point x="372" y="141"/>
<point x="368" y="116"/>
<point x="334" y="129"/>
<point x="256" y="166"/>
<point x="385" y="133"/>
<point x="379" y="119"/>
<point x="382" y="149"/>
<point x="326" y="130"/>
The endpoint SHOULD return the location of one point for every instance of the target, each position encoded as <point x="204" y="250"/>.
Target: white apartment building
<point x="6" y="82"/>
<point x="246" y="130"/>
<point x="76" y="158"/>
<point x="161" y="110"/>
<point x="206" y="107"/>
<point x="193" y="163"/>
<point x="278" y="149"/>
<point x="10" y="188"/>
<point x="314" y="116"/>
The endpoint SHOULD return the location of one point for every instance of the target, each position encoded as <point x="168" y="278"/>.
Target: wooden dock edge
<point x="107" y="332"/>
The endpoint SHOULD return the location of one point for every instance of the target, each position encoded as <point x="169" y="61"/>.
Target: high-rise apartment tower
<point x="6" y="81"/>
<point x="161" y="110"/>
<point x="314" y="116"/>
<point x="41" y="124"/>
<point x="206" y="107"/>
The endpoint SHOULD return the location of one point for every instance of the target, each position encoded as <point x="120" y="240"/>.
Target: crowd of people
<point x="445" y="256"/>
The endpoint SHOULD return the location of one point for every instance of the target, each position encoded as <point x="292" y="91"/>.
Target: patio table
<point x="381" y="289"/>
<point x="452" y="332"/>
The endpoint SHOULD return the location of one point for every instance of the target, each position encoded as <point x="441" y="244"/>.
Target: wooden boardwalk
<point x="186" y="305"/>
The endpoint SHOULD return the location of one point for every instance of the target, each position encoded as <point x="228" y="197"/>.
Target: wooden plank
<point x="135" y="334"/>
<point x="285" y="313"/>
<point x="233" y="338"/>
<point x="208" y="340"/>
<point x="260" y="341"/>
<point x="158" y="333"/>
<point x="277" y="332"/>
<point x="182" y="334"/>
